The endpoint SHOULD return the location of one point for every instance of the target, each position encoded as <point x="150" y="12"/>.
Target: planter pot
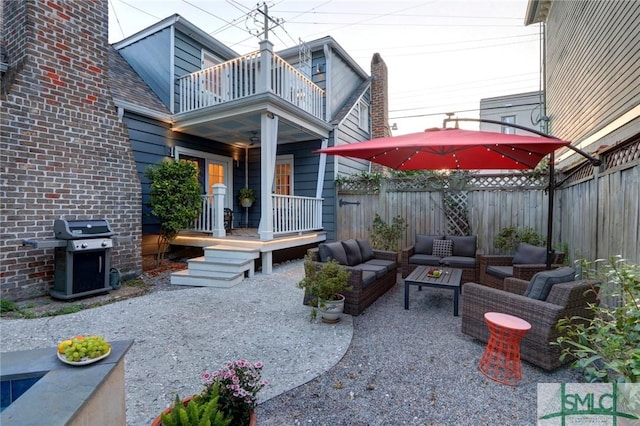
<point x="332" y="310"/>
<point x="246" y="202"/>
<point x="253" y="419"/>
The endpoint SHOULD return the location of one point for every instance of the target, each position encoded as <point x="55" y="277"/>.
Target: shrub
<point x="607" y="347"/>
<point x="385" y="236"/>
<point x="509" y="238"/>
<point x="175" y="198"/>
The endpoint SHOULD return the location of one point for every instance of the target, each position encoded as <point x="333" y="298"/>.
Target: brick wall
<point x="62" y="149"/>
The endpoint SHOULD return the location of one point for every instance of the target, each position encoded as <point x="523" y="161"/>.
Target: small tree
<point x="509" y="238"/>
<point x="175" y="198"/>
<point x="385" y="236"/>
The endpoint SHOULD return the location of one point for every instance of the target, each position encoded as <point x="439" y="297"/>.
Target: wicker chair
<point x="564" y="301"/>
<point x="521" y="271"/>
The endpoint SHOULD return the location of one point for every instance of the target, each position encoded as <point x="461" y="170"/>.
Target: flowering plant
<point x="239" y="381"/>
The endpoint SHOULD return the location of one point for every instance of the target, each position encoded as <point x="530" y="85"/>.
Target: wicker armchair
<point x="564" y="301"/>
<point x="521" y="271"/>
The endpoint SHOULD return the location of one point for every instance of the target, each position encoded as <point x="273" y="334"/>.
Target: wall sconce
<point x="320" y="68"/>
<point x="171" y="151"/>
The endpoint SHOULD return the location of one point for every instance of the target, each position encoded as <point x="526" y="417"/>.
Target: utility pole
<point x="267" y="21"/>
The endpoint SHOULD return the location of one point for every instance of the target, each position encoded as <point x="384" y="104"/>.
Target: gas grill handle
<point x="100" y="264"/>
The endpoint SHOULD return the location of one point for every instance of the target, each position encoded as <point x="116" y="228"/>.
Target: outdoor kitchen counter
<point x="66" y="395"/>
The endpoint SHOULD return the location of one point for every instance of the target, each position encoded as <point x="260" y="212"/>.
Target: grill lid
<point x="73" y="229"/>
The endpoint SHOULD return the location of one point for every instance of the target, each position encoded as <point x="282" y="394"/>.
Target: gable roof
<point x="351" y="102"/>
<point x="130" y="92"/>
<point x="186" y="27"/>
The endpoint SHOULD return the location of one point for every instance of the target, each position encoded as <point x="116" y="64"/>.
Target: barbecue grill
<point x="82" y="257"/>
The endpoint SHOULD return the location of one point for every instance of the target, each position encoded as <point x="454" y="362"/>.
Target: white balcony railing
<point x="242" y="77"/>
<point x="293" y="214"/>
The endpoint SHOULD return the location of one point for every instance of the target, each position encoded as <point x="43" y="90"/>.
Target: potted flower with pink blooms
<point x="229" y="395"/>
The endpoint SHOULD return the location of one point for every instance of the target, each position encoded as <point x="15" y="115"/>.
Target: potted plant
<point x="325" y="283"/>
<point x="246" y="197"/>
<point x="234" y="389"/>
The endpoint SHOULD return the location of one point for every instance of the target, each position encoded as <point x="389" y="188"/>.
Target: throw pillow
<point x="530" y="255"/>
<point x="424" y="243"/>
<point x="442" y="248"/>
<point x="464" y="246"/>
<point x="332" y="251"/>
<point x="365" y="249"/>
<point x="352" y="249"/>
<point x="540" y="285"/>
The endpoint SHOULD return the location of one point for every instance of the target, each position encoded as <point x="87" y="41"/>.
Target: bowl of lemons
<point x="83" y="350"/>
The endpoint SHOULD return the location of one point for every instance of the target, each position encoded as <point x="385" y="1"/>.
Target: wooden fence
<point x="596" y="212"/>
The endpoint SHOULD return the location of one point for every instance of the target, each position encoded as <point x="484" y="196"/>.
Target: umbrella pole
<point x="552" y="185"/>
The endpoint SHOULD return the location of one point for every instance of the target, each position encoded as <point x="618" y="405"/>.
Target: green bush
<point x="175" y="198"/>
<point x="509" y="238"/>
<point x="385" y="236"/>
<point x="607" y="347"/>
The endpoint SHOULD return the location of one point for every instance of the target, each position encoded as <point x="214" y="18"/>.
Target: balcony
<point x="247" y="76"/>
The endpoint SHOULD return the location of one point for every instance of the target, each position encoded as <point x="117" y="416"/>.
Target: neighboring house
<point x="592" y="91"/>
<point x="522" y="109"/>
<point x="592" y="71"/>
<point x="81" y="113"/>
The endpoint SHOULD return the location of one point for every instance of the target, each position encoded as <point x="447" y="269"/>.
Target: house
<point x="85" y="119"/>
<point x="522" y="109"/>
<point x="592" y="97"/>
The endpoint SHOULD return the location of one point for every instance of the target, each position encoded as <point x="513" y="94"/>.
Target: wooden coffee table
<point x="450" y="279"/>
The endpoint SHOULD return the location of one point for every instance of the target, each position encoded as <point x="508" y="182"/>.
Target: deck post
<point x="219" y="191"/>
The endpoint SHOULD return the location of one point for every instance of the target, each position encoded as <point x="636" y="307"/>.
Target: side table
<point x="501" y="358"/>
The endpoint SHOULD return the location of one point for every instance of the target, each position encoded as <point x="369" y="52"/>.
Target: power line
<point x="458" y="111"/>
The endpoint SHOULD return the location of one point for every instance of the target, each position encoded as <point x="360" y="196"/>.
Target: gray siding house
<point x="249" y="120"/>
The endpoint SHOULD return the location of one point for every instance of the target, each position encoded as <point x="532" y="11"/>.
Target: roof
<point x="318" y="44"/>
<point x="186" y="27"/>
<point x="351" y="101"/>
<point x="130" y="92"/>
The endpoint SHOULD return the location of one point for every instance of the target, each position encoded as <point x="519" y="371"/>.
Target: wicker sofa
<point x="373" y="272"/>
<point x="565" y="300"/>
<point x="524" y="264"/>
<point x="464" y="255"/>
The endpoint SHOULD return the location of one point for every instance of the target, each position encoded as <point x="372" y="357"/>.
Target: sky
<point x="442" y="55"/>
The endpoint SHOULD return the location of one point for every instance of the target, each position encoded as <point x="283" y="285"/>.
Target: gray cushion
<point x="379" y="270"/>
<point x="541" y="283"/>
<point x="332" y="251"/>
<point x="425" y="259"/>
<point x="365" y="249"/>
<point x="500" y="271"/>
<point x="464" y="246"/>
<point x="442" y="248"/>
<point x="459" y="261"/>
<point x="388" y="264"/>
<point x="352" y="249"/>
<point x="528" y="254"/>
<point x="368" y="278"/>
<point x="424" y="243"/>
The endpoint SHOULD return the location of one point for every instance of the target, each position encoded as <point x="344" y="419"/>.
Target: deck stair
<point x="221" y="266"/>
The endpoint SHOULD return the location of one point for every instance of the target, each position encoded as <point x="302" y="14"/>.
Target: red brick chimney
<point x="63" y="149"/>
<point x="379" y="98"/>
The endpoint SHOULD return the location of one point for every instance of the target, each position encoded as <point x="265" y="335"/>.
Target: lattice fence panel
<point x="623" y="156"/>
<point x="457" y="213"/>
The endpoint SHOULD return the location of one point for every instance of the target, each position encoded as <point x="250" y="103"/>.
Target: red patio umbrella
<point x="457" y="149"/>
<point x="436" y="149"/>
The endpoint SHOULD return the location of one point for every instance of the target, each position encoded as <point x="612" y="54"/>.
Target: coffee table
<point x="450" y="279"/>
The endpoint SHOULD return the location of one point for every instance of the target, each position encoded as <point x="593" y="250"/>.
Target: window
<point x="511" y="119"/>
<point x="363" y="115"/>
<point x="209" y="60"/>
<point x="283" y="182"/>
